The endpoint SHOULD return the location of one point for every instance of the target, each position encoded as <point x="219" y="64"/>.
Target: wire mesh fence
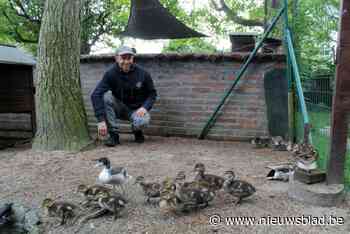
<point x="314" y="26"/>
<point x="318" y="93"/>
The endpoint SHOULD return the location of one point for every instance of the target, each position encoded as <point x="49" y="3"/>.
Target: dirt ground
<point x="27" y="176"/>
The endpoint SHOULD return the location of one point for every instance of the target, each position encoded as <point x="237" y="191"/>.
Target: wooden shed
<point x="17" y="107"/>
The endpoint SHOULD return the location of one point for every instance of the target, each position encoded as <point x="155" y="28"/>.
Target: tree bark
<point x="61" y="116"/>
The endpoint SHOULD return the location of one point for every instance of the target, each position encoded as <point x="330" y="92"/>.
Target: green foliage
<point x="314" y="24"/>
<point x="173" y="6"/>
<point x="314" y="27"/>
<point x="192" y="45"/>
<point x="99" y="19"/>
<point x="15" y="29"/>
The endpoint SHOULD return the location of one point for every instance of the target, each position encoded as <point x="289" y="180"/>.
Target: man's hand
<point x="102" y="128"/>
<point x="141" y="112"/>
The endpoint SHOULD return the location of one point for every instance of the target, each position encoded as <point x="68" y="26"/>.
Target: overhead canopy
<point x="150" y="20"/>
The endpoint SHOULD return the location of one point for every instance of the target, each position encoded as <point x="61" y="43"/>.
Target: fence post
<point x="341" y="101"/>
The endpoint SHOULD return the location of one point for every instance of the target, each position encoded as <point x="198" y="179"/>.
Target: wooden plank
<point x="16" y="101"/>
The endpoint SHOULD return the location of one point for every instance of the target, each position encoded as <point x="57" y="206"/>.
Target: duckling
<point x="115" y="176"/>
<point x="92" y="193"/>
<point x="237" y="188"/>
<point x="215" y="182"/>
<point x="5" y="214"/>
<point x="261" y="142"/>
<point x="180" y="178"/>
<point x="107" y="203"/>
<point x="306" y="156"/>
<point x="151" y="190"/>
<point x="279" y="144"/>
<point x="61" y="209"/>
<point x="168" y="200"/>
<point x="192" y="195"/>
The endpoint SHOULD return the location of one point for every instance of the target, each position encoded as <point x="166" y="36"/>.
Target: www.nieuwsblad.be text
<point x="216" y="220"/>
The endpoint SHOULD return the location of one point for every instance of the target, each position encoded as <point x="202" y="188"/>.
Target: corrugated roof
<point x="13" y="55"/>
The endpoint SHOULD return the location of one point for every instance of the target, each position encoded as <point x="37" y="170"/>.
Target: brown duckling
<point x="61" y="209"/>
<point x="112" y="203"/>
<point x="192" y="195"/>
<point x="168" y="200"/>
<point x="150" y="189"/>
<point x="92" y="193"/>
<point x="237" y="188"/>
<point x="215" y="182"/>
<point x="306" y="156"/>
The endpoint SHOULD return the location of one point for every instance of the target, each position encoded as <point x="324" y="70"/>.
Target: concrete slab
<point x="319" y="194"/>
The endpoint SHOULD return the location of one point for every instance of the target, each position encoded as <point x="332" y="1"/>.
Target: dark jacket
<point x="134" y="89"/>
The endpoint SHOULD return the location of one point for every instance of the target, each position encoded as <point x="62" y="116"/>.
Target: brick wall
<point x="190" y="87"/>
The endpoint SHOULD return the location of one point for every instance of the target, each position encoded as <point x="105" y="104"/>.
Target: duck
<point x="6" y="214"/>
<point x="192" y="195"/>
<point x="279" y="144"/>
<point x="92" y="193"/>
<point x="61" y="209"/>
<point x="150" y="189"/>
<point x="113" y="203"/>
<point x="306" y="156"/>
<point x="261" y="142"/>
<point x="215" y="182"/>
<point x="280" y="172"/>
<point x="237" y="188"/>
<point x="114" y="176"/>
<point x="168" y="201"/>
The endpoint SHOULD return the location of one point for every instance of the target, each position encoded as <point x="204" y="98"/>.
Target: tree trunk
<point x="61" y="116"/>
<point x="85" y="47"/>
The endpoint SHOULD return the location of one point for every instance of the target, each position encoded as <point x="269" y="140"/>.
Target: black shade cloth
<point x="150" y="20"/>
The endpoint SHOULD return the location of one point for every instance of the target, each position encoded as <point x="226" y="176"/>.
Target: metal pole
<point x="341" y="100"/>
<point x="297" y="78"/>
<point x="240" y="73"/>
<point x="291" y="109"/>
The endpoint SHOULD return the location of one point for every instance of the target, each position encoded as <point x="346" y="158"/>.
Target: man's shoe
<point x="113" y="140"/>
<point x="139" y="138"/>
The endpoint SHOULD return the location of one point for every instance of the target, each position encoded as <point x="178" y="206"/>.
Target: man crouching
<point x="125" y="92"/>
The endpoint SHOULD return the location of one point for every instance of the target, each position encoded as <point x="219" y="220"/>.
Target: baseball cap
<point x="125" y="50"/>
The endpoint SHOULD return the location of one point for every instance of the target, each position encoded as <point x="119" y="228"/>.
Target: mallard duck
<point x="61" y="209"/>
<point x="261" y="142"/>
<point x="5" y="214"/>
<point x="215" y="182"/>
<point x="92" y="193"/>
<point x="115" y="176"/>
<point x="150" y="189"/>
<point x="237" y="188"/>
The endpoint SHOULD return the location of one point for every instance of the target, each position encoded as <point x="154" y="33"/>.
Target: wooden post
<point x="341" y="100"/>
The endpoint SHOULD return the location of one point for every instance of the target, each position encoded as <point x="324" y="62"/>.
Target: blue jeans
<point x="116" y="109"/>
